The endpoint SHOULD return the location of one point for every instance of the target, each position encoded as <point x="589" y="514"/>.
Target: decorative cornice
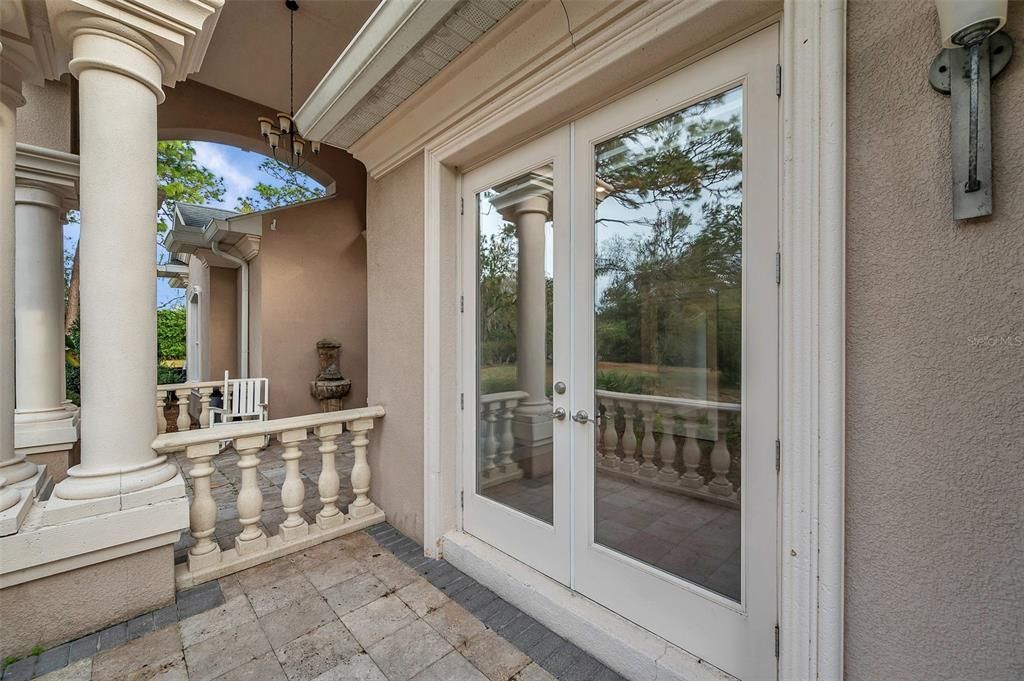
<point x="175" y="32"/>
<point x="54" y="171"/>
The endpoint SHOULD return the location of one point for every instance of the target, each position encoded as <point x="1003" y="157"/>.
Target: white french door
<point x="515" y="261"/>
<point x="623" y="313"/>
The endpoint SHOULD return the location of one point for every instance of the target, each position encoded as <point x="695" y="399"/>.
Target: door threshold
<point x="620" y="644"/>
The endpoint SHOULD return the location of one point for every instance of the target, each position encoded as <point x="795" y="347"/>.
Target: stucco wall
<point x="46" y="120"/>
<point x="222" y="334"/>
<point x="394" y="274"/>
<point x="935" y="422"/>
<point x="312" y="285"/>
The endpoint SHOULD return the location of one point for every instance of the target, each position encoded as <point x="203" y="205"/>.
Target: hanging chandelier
<point x="282" y="135"/>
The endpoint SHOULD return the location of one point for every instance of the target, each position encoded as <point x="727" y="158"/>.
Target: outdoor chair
<point x="245" y="399"/>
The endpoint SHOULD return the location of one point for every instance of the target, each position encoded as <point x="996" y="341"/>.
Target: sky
<point x="240" y="170"/>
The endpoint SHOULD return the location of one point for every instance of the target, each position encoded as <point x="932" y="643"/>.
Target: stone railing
<point x="497" y="442"/>
<point x="253" y="546"/>
<point x="194" y="396"/>
<point x="656" y="440"/>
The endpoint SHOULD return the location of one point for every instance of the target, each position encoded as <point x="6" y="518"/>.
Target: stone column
<point x="529" y="216"/>
<point x="13" y="468"/>
<point x="46" y="187"/>
<point x="119" y="86"/>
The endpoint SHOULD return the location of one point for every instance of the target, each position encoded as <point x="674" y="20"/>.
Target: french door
<point x="623" y="312"/>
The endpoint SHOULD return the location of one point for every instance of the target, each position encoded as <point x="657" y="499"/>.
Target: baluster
<point x="629" y="462"/>
<point x="161" y="417"/>
<point x="184" y="422"/>
<point x="609" y="436"/>
<point x="250" y="498"/>
<point x="202" y="513"/>
<point x="720" y="460"/>
<point x="647" y="445"/>
<point x="506" y="442"/>
<point x="691" y="458"/>
<point x="503" y="458"/>
<point x="204" y="407"/>
<point x="329" y="483"/>
<point x="362" y="506"/>
<point x="667" y="449"/>
<point x="292" y="491"/>
<point x="490" y="437"/>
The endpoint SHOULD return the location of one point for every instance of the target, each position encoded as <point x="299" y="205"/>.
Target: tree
<point x="179" y="178"/>
<point x="170" y="333"/>
<point x="293" y="187"/>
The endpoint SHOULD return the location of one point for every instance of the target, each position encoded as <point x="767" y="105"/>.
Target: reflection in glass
<point x="668" y="230"/>
<point x="515" y="276"/>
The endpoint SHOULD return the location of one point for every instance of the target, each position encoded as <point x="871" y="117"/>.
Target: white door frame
<point x="812" y="322"/>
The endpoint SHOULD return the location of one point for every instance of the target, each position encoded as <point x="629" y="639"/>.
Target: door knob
<point x="559" y="413"/>
<point x="581" y="417"/>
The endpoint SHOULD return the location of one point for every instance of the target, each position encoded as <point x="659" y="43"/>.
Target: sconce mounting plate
<point x="1000" y="50"/>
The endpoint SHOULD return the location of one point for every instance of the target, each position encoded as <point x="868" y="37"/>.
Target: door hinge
<point x="462" y="505"/>
<point x="778" y="455"/>
<point x="462" y="400"/>
<point x="462" y="206"/>
<point x="778" y="80"/>
<point x="462" y="303"/>
<point x="776" y="641"/>
<point x="778" y="268"/>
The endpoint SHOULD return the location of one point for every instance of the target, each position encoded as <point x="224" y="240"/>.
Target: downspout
<point x="243" y="353"/>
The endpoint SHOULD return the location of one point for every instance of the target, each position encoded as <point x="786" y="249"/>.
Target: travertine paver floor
<point x="358" y="608"/>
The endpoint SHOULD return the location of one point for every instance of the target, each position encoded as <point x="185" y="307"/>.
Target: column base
<point x="48" y="443"/>
<point x="18" y="470"/>
<point x="82" y="485"/>
<point x="60" y="510"/>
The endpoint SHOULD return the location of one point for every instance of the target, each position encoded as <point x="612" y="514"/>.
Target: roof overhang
<point x="237" y="236"/>
<point x="400" y="47"/>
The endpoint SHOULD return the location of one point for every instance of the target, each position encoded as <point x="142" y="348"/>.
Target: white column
<point x="13" y="468"/>
<point x="119" y="87"/>
<point x="531" y="339"/>
<point x="39" y="307"/>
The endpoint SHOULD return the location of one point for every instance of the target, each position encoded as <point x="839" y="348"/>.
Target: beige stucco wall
<point x="48" y="117"/>
<point x="312" y="285"/>
<point x="935" y="417"/>
<point x="55" y="609"/>
<point x="222" y="332"/>
<point x="394" y="274"/>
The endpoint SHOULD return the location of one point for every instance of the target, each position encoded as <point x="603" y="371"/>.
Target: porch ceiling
<point x="248" y="55"/>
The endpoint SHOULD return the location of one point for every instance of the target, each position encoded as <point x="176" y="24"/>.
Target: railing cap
<point x="673" y="401"/>
<point x="174" y="442"/>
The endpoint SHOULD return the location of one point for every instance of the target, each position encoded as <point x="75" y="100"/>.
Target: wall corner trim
<point x="812" y="320"/>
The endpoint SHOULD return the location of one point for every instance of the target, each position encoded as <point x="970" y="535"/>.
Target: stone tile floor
<point x="364" y="607"/>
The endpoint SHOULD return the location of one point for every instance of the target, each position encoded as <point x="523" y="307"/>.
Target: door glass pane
<point x="668" y="229"/>
<point x="515" y="266"/>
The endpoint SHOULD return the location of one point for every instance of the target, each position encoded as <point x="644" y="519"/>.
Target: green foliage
<point x="169" y="375"/>
<point x="623" y="382"/>
<point x="9" y="660"/>
<point x="37" y="650"/>
<point x="295" y="187"/>
<point x="180" y="178"/>
<point x="170" y="333"/>
<point x="72" y="353"/>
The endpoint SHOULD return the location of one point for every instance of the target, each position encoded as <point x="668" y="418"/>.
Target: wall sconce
<point x="974" y="53"/>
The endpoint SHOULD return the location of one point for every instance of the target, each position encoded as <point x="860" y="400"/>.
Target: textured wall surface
<point x="312" y="285"/>
<point x="59" y="608"/>
<point x="46" y="119"/>
<point x="222" y="340"/>
<point x="935" y="411"/>
<point x="394" y="273"/>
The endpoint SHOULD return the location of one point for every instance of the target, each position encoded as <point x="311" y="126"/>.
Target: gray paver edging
<point x="558" y="657"/>
<point x="186" y="604"/>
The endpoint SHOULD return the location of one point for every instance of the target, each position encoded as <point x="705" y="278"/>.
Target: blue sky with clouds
<point x="241" y="172"/>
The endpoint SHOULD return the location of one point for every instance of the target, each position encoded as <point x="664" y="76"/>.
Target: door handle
<point x="559" y="413"/>
<point x="582" y="417"/>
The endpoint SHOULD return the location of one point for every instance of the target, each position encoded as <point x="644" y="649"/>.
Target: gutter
<point x="243" y="352"/>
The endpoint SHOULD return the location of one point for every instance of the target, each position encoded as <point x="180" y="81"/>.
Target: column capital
<point x="11" y="75"/>
<point x="39" y="170"/>
<point x="176" y="33"/>
<point x="531" y="193"/>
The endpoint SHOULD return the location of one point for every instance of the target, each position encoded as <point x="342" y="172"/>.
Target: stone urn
<point x="329" y="386"/>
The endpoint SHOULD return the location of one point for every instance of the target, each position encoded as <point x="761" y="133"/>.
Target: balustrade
<point x="193" y="404"/>
<point x="497" y="443"/>
<point x="253" y="545"/>
<point x="642" y="437"/>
